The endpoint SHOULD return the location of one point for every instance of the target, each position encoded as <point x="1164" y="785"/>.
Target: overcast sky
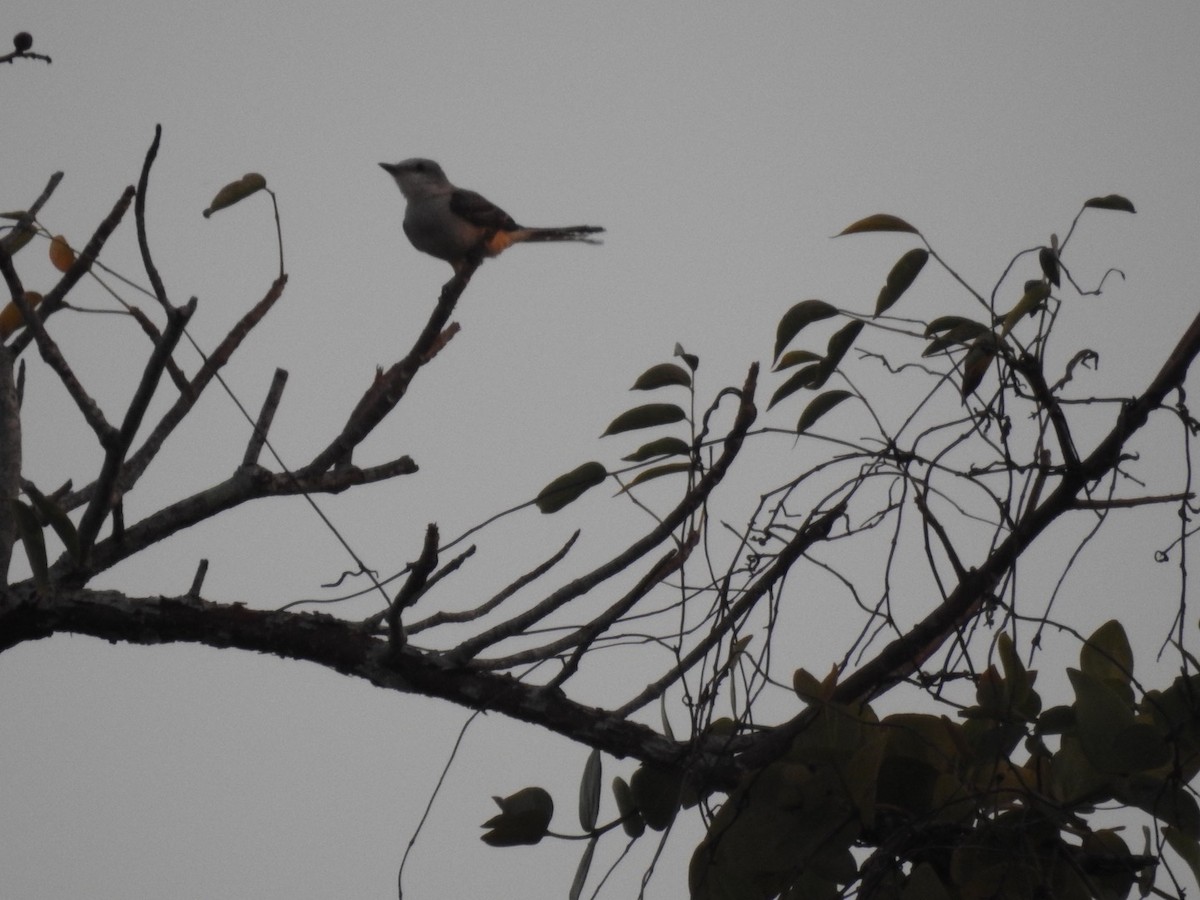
<point x="720" y="145"/>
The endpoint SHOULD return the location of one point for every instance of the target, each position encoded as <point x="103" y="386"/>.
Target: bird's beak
<point x="390" y="168"/>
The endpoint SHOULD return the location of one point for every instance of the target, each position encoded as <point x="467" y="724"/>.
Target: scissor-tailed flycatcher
<point x="454" y="224"/>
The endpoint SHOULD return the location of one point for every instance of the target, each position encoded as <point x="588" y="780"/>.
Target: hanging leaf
<point x="1048" y="260"/>
<point x="796" y="358"/>
<point x="975" y="365"/>
<point x="802" y="314"/>
<point x="53" y="513"/>
<point x="691" y="359"/>
<point x="810" y="376"/>
<point x="878" y="222"/>
<point x="589" y="791"/>
<point x="957" y="336"/>
<point x="658" y="472"/>
<point x="647" y="416"/>
<point x="839" y="344"/>
<point x="668" y="731"/>
<point x="581" y="871"/>
<point x="818" y="406"/>
<point x="631" y="819"/>
<point x="656" y="791"/>
<point x="62" y="257"/>
<point x="35" y="542"/>
<point x="662" y="375"/>
<point x="945" y="323"/>
<point x="236" y="191"/>
<point x="664" y="446"/>
<point x="903" y="273"/>
<point x="569" y="487"/>
<point x="11" y="318"/>
<point x="524" y="818"/>
<point x="1110" y="201"/>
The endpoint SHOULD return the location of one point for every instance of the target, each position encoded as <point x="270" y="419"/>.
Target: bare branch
<point x="265" y="417"/>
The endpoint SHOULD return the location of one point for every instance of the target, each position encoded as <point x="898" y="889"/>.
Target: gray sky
<point x="721" y="146"/>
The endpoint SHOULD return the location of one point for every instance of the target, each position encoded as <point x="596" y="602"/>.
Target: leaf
<point x="589" y="791"/>
<point x="236" y="191"/>
<point x="581" y="871"/>
<point x="878" y="222"/>
<point x="947" y="323"/>
<point x="59" y="521"/>
<point x="1031" y="301"/>
<point x="668" y="731"/>
<point x="959" y="335"/>
<point x="647" y="416"/>
<point x="802" y="314"/>
<point x="656" y="791"/>
<point x="11" y="318"/>
<point x="900" y="278"/>
<point x="1048" y="260"/>
<point x="35" y="542"/>
<point x="569" y="487"/>
<point x="839" y="344"/>
<point x="975" y="365"/>
<point x="1107" y="655"/>
<point x="1186" y="846"/>
<point x="658" y="472"/>
<point x="808" y="377"/>
<point x="524" y="818"/>
<point x="691" y="359"/>
<point x="663" y="446"/>
<point x="631" y="819"/>
<point x="62" y="257"/>
<point x="818" y="406"/>
<point x="1110" y="201"/>
<point x="662" y="375"/>
<point x="796" y="358"/>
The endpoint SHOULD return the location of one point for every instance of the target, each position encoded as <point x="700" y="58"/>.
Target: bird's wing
<point x="480" y="211"/>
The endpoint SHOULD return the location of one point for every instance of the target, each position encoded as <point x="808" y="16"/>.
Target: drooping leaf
<point x="236" y="191"/>
<point x="631" y="819"/>
<point x="581" y="871"/>
<point x="946" y="323"/>
<point x="524" y="818"/>
<point x="957" y="336"/>
<point x="11" y="318"/>
<point x="900" y="278"/>
<point x="796" y="358"/>
<point x="569" y="487"/>
<point x="1048" y="260"/>
<point x="589" y="791"/>
<point x="839" y="344"/>
<point x="1186" y="846"/>
<point x="62" y="257"/>
<point x="662" y="375"/>
<point x="1031" y="301"/>
<point x="1110" y="201"/>
<point x="802" y="314"/>
<point x="818" y="406"/>
<point x="878" y="222"/>
<point x="656" y="791"/>
<point x="646" y="416"/>
<point x="658" y="472"/>
<point x="663" y="446"/>
<point x="668" y="731"/>
<point x="35" y="542"/>
<point x="975" y="365"/>
<point x="59" y="521"/>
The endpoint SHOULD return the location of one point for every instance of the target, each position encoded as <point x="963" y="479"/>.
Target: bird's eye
<point x="420" y="167"/>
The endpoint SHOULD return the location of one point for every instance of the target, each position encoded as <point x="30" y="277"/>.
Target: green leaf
<point x="878" y="222"/>
<point x="1048" y="260"/>
<point x="662" y="375"/>
<point x="796" y="358"/>
<point x="53" y="513"/>
<point x="690" y="359"/>
<point x="664" y="446"/>
<point x="35" y="542"/>
<point x="656" y="791"/>
<point x="1100" y="715"/>
<point x="569" y="487"/>
<point x="1107" y="655"/>
<point x="810" y="376"/>
<point x="1110" y="201"/>
<point x="631" y="819"/>
<point x="958" y="335"/>
<point x="903" y="273"/>
<point x="1031" y="301"/>
<point x="1186" y="846"/>
<point x="798" y="317"/>
<point x="818" y="406"/>
<point x="589" y="791"/>
<point x="524" y="818"/>
<point x="646" y="416"/>
<point x="581" y="871"/>
<point x="658" y="472"/>
<point x="839" y="344"/>
<point x="236" y="191"/>
<point x="947" y="323"/>
<point x="975" y="365"/>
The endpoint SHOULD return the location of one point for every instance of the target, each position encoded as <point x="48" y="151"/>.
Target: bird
<point x="458" y="225"/>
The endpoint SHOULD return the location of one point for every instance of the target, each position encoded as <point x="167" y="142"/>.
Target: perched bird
<point x="455" y="225"/>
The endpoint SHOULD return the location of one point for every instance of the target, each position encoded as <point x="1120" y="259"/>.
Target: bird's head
<point x="417" y="177"/>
